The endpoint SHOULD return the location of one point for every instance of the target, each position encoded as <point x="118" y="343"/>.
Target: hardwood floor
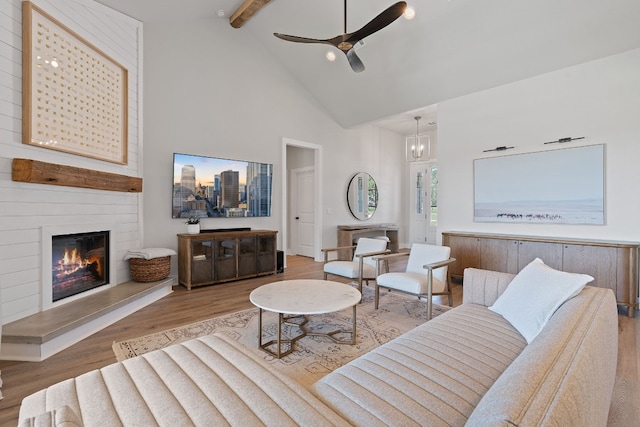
<point x="182" y="307"/>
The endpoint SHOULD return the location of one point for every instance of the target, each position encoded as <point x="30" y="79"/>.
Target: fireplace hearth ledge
<point x="41" y="335"/>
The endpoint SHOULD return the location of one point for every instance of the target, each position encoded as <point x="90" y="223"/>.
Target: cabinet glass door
<point x="225" y="262"/>
<point x="201" y="261"/>
<point x="246" y="256"/>
<point x="266" y="254"/>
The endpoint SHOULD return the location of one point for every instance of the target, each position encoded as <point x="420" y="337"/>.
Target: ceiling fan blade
<point x="354" y="61"/>
<point x="385" y="18"/>
<point x="297" y="39"/>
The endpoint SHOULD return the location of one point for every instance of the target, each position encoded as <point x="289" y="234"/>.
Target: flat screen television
<point x="212" y="187"/>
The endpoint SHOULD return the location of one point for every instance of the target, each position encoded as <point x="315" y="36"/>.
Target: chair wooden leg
<point x="325" y="276"/>
<point x="377" y="296"/>
<point x="429" y="293"/>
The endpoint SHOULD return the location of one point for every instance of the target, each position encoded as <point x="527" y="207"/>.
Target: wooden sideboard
<point x="613" y="264"/>
<point x="349" y="234"/>
<point x="222" y="256"/>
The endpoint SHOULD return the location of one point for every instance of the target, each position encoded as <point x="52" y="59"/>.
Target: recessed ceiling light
<point x="331" y="56"/>
<point x="221" y="13"/>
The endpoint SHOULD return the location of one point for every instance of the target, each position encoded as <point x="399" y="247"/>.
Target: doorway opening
<point x="302" y="201"/>
<point x="424" y="202"/>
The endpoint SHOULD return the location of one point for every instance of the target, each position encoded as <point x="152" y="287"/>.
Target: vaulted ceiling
<point x="451" y="48"/>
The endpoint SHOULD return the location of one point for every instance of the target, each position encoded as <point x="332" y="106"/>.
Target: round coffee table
<point x="296" y="299"/>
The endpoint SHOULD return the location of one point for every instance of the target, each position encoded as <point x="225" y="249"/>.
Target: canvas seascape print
<point x="564" y="186"/>
<point x="212" y="187"/>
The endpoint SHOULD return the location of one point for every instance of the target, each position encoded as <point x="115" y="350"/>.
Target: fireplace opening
<point x="80" y="262"/>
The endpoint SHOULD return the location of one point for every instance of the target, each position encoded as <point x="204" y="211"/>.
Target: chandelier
<point x="417" y="145"/>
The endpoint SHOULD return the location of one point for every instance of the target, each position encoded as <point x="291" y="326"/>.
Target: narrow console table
<point x="348" y="235"/>
<point x="222" y="256"/>
<point x="613" y="264"/>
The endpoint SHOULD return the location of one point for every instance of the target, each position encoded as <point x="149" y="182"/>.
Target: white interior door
<point x="424" y="203"/>
<point x="302" y="211"/>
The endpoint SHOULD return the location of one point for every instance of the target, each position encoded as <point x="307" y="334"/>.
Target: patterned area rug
<point x="313" y="357"/>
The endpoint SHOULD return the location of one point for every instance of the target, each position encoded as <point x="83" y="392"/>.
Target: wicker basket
<point x="150" y="270"/>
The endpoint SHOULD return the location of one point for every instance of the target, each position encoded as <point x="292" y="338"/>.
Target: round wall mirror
<point x="362" y="196"/>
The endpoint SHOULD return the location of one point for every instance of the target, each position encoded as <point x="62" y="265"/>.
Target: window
<point x="433" y="194"/>
<point x="419" y="193"/>
<point x="433" y="219"/>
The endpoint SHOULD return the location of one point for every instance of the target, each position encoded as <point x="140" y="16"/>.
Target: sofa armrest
<point x="566" y="375"/>
<point x="483" y="286"/>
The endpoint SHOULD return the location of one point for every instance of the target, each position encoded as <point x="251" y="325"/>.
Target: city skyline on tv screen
<point x="213" y="187"/>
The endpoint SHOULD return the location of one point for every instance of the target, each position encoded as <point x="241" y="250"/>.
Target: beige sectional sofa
<point x="467" y="366"/>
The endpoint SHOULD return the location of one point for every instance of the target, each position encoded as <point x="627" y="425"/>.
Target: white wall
<point x="26" y="208"/>
<point x="211" y="90"/>
<point x="599" y="100"/>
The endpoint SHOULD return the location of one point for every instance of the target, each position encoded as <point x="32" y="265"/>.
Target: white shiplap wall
<point x="26" y="208"/>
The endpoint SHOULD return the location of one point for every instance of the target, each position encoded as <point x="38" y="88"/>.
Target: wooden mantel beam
<point x="246" y="11"/>
<point x="36" y="172"/>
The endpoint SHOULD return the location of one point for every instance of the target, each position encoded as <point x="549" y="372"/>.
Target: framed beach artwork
<point x="563" y="186"/>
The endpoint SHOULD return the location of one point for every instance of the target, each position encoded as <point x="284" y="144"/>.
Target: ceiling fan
<point x="346" y="41"/>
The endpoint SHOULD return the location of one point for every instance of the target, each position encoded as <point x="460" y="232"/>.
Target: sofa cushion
<point x="535" y="294"/>
<point x="434" y="374"/>
<point x="210" y="380"/>
<point x="484" y="286"/>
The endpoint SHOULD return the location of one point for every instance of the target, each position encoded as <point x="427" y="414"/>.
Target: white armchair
<point x="362" y="266"/>
<point x="426" y="274"/>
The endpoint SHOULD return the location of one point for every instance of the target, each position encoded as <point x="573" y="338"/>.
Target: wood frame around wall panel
<point x="74" y="96"/>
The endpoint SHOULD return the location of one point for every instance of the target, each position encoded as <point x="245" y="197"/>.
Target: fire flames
<point x="72" y="263"/>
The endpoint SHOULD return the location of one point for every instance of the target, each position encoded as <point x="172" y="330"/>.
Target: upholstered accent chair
<point x="426" y="274"/>
<point x="362" y="266"/>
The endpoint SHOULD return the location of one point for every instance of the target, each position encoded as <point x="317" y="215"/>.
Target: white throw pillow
<point x="535" y="294"/>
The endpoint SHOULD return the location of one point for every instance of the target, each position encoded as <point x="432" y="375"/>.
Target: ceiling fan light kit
<point x="409" y="13"/>
<point x="346" y="41"/>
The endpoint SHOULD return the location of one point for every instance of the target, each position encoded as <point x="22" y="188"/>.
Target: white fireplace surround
<point x="47" y="263"/>
<point x="51" y="330"/>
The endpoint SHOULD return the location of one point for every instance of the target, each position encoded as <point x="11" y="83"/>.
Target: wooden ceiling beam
<point x="246" y="11"/>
